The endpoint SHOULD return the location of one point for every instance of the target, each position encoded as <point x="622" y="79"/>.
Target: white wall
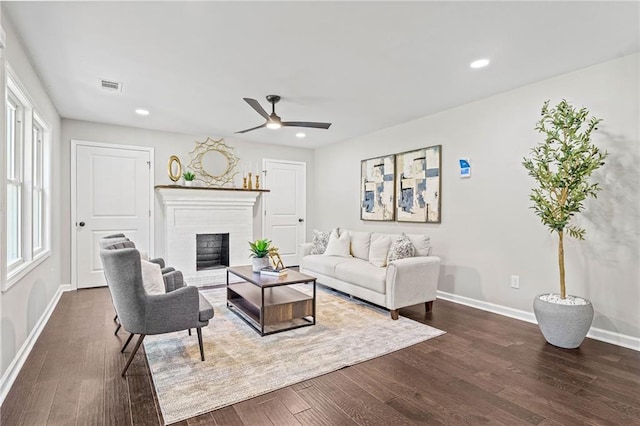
<point x="488" y="231"/>
<point x="165" y="144"/>
<point x="26" y="301"/>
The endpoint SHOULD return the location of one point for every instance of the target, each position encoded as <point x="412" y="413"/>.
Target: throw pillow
<point x="152" y="278"/>
<point x="319" y="242"/>
<point x="338" y="244"/>
<point x="379" y="249"/>
<point x="401" y="248"/>
<point x="421" y="243"/>
<point x="360" y="244"/>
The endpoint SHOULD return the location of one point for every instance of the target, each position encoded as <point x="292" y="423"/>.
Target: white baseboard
<point x="614" y="338"/>
<point x="602" y="335"/>
<point x="14" y="368"/>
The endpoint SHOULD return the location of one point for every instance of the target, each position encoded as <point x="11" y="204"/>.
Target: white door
<point x="285" y="207"/>
<point x="113" y="194"/>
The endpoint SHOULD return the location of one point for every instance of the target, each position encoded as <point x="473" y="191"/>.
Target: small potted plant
<point x="188" y="178"/>
<point x="561" y="165"/>
<point x="260" y="254"/>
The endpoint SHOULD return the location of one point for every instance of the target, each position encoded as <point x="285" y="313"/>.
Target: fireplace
<point x="212" y="251"/>
<point x="190" y="212"/>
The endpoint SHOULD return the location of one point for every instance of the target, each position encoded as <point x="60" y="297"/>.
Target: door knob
<point x="301" y="220"/>
<point x="81" y="224"/>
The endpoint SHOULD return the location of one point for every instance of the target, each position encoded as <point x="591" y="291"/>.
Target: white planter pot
<point x="188" y="183"/>
<point x="564" y="326"/>
<point x="258" y="263"/>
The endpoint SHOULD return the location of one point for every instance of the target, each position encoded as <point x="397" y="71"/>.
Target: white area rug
<point x="241" y="365"/>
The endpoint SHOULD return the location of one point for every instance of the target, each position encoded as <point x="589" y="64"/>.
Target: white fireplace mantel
<point x="192" y="211"/>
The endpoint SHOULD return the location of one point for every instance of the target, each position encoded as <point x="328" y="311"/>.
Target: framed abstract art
<point x="377" y="187"/>
<point x="418" y="185"/>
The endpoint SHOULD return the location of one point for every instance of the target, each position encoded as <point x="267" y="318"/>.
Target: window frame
<point x="30" y="182"/>
<point x="38" y="186"/>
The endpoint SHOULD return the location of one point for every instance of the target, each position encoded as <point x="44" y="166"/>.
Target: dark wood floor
<point x="486" y="369"/>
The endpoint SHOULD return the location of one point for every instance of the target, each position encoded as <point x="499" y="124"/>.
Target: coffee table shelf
<point x="268" y="304"/>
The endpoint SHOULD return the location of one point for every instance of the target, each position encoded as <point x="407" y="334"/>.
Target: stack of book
<point x="273" y="272"/>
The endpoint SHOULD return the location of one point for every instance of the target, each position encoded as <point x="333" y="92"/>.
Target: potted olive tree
<point x="562" y="165"/>
<point x="260" y="253"/>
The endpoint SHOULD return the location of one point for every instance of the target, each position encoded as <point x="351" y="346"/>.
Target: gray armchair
<point x="144" y="314"/>
<point x="168" y="274"/>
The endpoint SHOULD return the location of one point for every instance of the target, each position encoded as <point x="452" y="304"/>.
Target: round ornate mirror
<point x="213" y="162"/>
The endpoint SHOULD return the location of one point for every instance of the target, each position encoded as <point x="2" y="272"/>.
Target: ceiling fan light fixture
<point x="273" y="120"/>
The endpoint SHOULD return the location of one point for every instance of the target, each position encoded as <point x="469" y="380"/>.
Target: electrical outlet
<point x="515" y="281"/>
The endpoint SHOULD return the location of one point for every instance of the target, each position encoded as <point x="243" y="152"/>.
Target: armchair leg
<point x="428" y="306"/>
<point x="127" y="342"/>
<point x="199" y="330"/>
<point x="394" y="314"/>
<point x="189" y="332"/>
<point x="117" y="329"/>
<point x="138" y="343"/>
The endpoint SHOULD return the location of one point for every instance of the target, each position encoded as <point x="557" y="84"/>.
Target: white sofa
<point x="400" y="283"/>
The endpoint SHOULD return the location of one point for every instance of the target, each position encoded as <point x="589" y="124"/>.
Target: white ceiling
<point x="363" y="66"/>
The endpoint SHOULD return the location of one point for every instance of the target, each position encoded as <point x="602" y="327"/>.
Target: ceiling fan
<point x="274" y="121"/>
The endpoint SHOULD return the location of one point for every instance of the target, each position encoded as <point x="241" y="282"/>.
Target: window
<point x="37" y="190"/>
<point x="14" y="182"/>
<point x="27" y="139"/>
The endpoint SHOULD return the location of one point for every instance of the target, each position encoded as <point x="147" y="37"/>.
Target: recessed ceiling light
<point x="480" y="63"/>
<point x="141" y="111"/>
<point x="300" y="135"/>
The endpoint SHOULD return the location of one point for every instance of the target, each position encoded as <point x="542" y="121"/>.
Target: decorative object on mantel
<point x="260" y="254"/>
<point x="561" y="165"/>
<point x="188" y="178"/>
<point x="418" y="185"/>
<point x="174" y="168"/>
<point x="214" y="162"/>
<point x="247" y="181"/>
<point x="377" y="187"/>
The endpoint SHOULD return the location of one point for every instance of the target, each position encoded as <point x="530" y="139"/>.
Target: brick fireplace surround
<point x="192" y="211"/>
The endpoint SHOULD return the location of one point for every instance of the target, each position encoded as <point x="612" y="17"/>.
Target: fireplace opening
<point x="212" y="251"/>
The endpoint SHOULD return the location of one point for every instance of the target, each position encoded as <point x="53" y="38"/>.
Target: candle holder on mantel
<point x="244" y="182"/>
<point x="249" y="183"/>
<point x="257" y="181"/>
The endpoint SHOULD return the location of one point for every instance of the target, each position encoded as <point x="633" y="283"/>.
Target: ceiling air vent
<point x="112" y="86"/>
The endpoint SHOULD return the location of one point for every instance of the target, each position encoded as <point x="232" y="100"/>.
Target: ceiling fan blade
<point x="256" y="105"/>
<point x="306" y="124"/>
<point x="253" y="128"/>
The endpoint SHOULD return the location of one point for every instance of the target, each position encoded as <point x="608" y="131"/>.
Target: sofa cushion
<point x="321" y="264"/>
<point x="422" y="244"/>
<point x="338" y="244"/>
<point x="379" y="248"/>
<point x="400" y="248"/>
<point x="319" y="242"/>
<point x="363" y="274"/>
<point x="360" y="244"/>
